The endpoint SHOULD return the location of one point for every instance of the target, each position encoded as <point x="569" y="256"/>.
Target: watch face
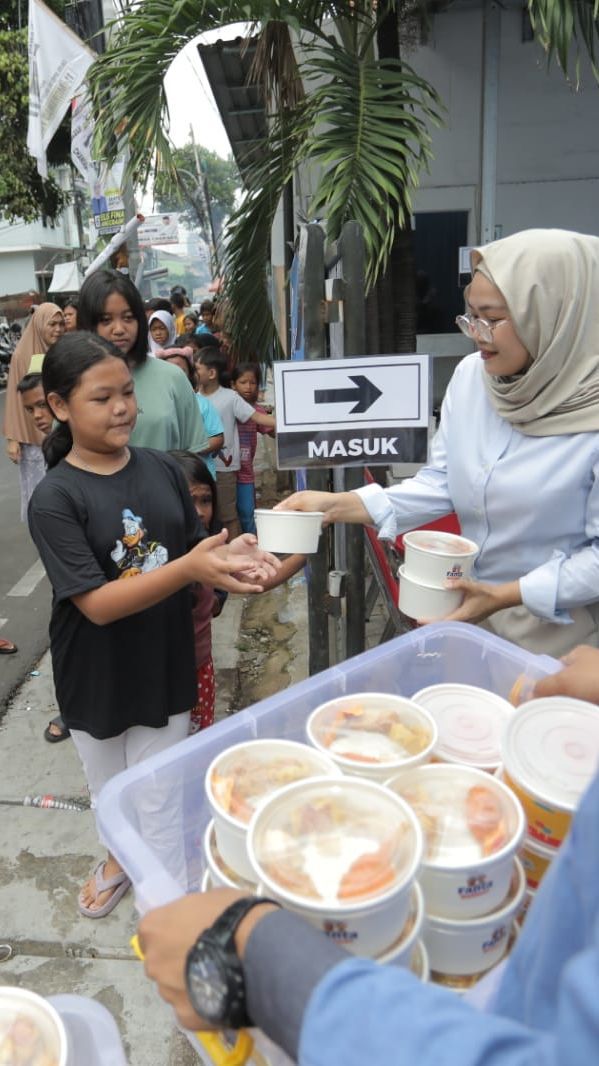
<point x="207" y="982"/>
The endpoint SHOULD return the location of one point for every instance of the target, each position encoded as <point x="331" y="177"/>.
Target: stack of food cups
<point x="344" y="854"/>
<point x="473" y="883"/>
<point x="550" y="753"/>
<point x="237" y="781"/>
<point x="431" y="558"/>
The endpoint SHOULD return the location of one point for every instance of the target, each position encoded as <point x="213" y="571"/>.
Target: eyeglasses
<point x="473" y="326"/>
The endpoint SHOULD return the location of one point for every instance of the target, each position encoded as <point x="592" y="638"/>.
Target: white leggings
<point x="160" y="808"/>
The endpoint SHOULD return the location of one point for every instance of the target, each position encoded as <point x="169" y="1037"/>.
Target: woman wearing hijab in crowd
<point x="23" y="440"/>
<point x="168" y="416"/>
<point x="517" y="451"/>
<point x="162" y="332"/>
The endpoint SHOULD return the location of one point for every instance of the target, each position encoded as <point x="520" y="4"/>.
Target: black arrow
<point x="365" y="394"/>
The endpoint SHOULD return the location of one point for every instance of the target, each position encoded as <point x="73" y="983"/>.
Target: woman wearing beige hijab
<point x="517" y="451"/>
<point x="23" y="440"/>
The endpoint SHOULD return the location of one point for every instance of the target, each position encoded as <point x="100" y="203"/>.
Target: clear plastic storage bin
<point x="94" y="1039"/>
<point x="153" y="816"/>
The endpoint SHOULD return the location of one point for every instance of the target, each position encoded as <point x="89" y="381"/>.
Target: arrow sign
<point x="364" y="395"/>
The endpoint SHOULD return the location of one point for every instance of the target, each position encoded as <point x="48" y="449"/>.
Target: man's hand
<point x="579" y="678"/>
<point x="168" y="933"/>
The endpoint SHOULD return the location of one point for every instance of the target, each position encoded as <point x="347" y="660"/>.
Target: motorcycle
<point x="7" y="347"/>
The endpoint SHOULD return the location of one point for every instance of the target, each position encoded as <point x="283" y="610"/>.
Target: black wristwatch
<point x="213" y="972"/>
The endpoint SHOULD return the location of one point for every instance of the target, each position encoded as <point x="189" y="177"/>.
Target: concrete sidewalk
<point x="47" y="855"/>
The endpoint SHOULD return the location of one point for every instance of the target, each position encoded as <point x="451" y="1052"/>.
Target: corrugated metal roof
<point x="227" y="65"/>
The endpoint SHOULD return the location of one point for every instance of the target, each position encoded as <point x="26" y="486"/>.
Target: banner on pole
<point x="58" y="63"/>
<point x="159" y="229"/>
<point x="106" y="201"/>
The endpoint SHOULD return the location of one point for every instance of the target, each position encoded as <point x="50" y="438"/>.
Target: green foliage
<point x="366" y="122"/>
<point x="23" y="194"/>
<point x="566" y="29"/>
<point x="180" y="194"/>
<point x="373" y="145"/>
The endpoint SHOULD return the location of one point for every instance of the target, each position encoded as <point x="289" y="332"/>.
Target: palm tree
<point x="369" y="152"/>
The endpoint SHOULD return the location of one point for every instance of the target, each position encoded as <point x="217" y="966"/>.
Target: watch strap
<point x="223" y="929"/>
<point x="220" y="936"/>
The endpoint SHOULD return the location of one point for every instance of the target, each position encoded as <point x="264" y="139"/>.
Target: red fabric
<point x="248" y="438"/>
<point x="202" y="714"/>
<point x="202" y="620"/>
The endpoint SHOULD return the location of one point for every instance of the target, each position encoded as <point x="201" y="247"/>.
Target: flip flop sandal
<point x="7" y="647"/>
<point x="55" y="738"/>
<point x="120" y="883"/>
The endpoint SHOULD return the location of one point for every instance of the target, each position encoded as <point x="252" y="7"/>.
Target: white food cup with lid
<point x="288" y="531"/>
<point x="427" y="602"/>
<point x="536" y="859"/>
<point x="473" y="826"/>
<point x="550" y="753"/>
<point x="372" y="734"/>
<point x="470" y="721"/>
<point x="32" y="1019"/>
<point x="287" y="760"/>
<point x="419" y="964"/>
<point x="432" y="556"/>
<point x="474" y="945"/>
<point x="341" y="853"/>
<point x="221" y="875"/>
<point x="400" y="952"/>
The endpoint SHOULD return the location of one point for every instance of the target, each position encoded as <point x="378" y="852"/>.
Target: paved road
<point x="24" y="588"/>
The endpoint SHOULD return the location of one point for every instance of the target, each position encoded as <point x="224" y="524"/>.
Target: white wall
<point x="17" y="273"/>
<point x="548" y="149"/>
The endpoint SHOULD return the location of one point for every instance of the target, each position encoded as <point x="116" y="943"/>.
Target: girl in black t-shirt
<point x="121" y="542"/>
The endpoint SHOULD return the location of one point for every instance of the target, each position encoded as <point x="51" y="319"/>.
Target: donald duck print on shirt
<point x="133" y="553"/>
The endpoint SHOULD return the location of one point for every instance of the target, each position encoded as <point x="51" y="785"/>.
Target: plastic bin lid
<point x="470" y="721"/>
<point x="551" y="749"/>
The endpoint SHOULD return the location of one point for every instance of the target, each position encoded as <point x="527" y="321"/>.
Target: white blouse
<point x="530" y="503"/>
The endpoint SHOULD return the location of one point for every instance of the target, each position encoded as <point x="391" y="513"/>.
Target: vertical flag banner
<point x="82" y="129"/>
<point x="58" y="63"/>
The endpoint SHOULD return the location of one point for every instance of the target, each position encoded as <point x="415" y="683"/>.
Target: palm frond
<point x="372" y="139"/>
<point x="127" y="81"/>
<point x="566" y="29"/>
<point x="247" y="254"/>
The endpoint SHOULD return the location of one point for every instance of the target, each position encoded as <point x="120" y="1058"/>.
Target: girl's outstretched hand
<point x="337" y="506"/>
<point x="213" y="563"/>
<point x="265" y="565"/>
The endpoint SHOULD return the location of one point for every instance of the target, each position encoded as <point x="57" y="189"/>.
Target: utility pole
<point x="205" y="199"/>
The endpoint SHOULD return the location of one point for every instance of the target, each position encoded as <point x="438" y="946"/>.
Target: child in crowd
<point x="208" y="602"/>
<point x="245" y="379"/>
<point x="191" y="321"/>
<point x="32" y="395"/>
<point x="181" y="355"/>
<point x="122" y="544"/>
<point x="213" y="379"/>
<point x="179" y="306"/>
<point x="31" y="392"/>
<point x="206" y="317"/>
<point x="161" y="326"/>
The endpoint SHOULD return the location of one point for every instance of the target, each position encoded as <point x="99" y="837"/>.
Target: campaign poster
<point x="159" y="229"/>
<point x="106" y="201"/>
